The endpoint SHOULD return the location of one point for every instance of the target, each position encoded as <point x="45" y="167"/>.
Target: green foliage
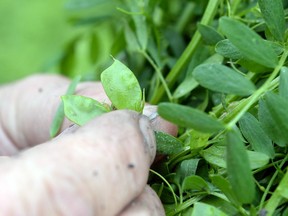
<point x="210" y="35"/>
<point x="283" y="90"/>
<point x="219" y="78"/>
<point x="205" y="209"/>
<point x="80" y="109"/>
<point x="167" y="144"/>
<point x="60" y="114"/>
<point x="225" y="187"/>
<point x="274" y="17"/>
<point x="228" y="50"/>
<point x="250" y="44"/>
<point x="197" y="120"/>
<point x="122" y="87"/>
<point x="211" y="66"/>
<point x="216" y="155"/>
<point x="127" y="95"/>
<point x="255" y="135"/>
<point x="273" y="117"/>
<point x="238" y="169"/>
<point x="194" y="183"/>
<point x="186" y="168"/>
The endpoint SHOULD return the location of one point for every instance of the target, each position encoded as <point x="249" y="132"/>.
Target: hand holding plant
<point x="100" y="168"/>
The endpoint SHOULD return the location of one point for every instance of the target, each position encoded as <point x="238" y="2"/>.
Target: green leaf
<point x="250" y="44"/>
<point x="255" y="135"/>
<point x="122" y="87"/>
<point x="196" y="139"/>
<point x="193" y="183"/>
<point x="141" y="30"/>
<point x="187" y="212"/>
<point x="228" y="50"/>
<point x="139" y="22"/>
<point x="185" y="87"/>
<point x="201" y="54"/>
<point x="257" y="159"/>
<point x="273" y="14"/>
<point x="238" y="169"/>
<point x="207" y="210"/>
<point x="218" y="200"/>
<point x="186" y="168"/>
<point x="209" y="34"/>
<point x="165" y="195"/>
<point x="224" y="185"/>
<point x="167" y="144"/>
<point x="188" y="117"/>
<point x="59" y="116"/>
<point x="222" y="79"/>
<point x="273" y="117"/>
<point x="282" y="187"/>
<point x="189" y="82"/>
<point x="252" y="66"/>
<point x="283" y="84"/>
<point x="277" y="196"/>
<point x="131" y="40"/>
<point x="80" y="109"/>
<point x="216" y="155"/>
<point x="277" y="47"/>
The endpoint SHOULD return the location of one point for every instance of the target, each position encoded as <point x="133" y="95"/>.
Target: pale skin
<point x="100" y="168"/>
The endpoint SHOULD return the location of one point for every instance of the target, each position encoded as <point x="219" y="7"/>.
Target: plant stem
<point x="185" y="205"/>
<point x="234" y="6"/>
<point x="233" y="117"/>
<point x="188" y="52"/>
<point x="159" y="73"/>
<point x="277" y="194"/>
<point x="167" y="183"/>
<point x="217" y="110"/>
<point x="185" y="17"/>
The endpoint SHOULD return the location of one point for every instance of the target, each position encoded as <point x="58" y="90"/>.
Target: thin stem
<point x="180" y="193"/>
<point x="167" y="183"/>
<point x="274" y="200"/>
<point x="186" y="157"/>
<point x="234" y="6"/>
<point x="185" y="17"/>
<point x="185" y="205"/>
<point x="266" y="167"/>
<point x="217" y="111"/>
<point x="188" y="52"/>
<point x="159" y="73"/>
<point x="245" y="105"/>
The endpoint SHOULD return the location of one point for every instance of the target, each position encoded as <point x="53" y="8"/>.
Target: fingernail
<point x="148" y="136"/>
<point x="152" y="117"/>
<point x="151" y="112"/>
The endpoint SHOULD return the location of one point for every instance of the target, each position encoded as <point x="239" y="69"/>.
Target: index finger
<point x="30" y="106"/>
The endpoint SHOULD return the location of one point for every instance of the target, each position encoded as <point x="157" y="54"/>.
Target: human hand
<point x="98" y="169"/>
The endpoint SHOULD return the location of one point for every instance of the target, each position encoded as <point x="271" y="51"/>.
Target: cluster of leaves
<point x="226" y="89"/>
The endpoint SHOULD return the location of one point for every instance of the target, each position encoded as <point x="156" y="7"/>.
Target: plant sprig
<point x="226" y="89"/>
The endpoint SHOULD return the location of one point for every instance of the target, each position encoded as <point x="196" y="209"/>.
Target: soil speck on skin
<point x="130" y="166"/>
<point x="40" y="90"/>
<point x="95" y="173"/>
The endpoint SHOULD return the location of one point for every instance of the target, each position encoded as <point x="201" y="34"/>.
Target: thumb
<point x="81" y="173"/>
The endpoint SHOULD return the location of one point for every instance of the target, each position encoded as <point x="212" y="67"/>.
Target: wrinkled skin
<point x="98" y="169"/>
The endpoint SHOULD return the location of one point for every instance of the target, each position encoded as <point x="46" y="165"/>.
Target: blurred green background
<point x="53" y="36"/>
